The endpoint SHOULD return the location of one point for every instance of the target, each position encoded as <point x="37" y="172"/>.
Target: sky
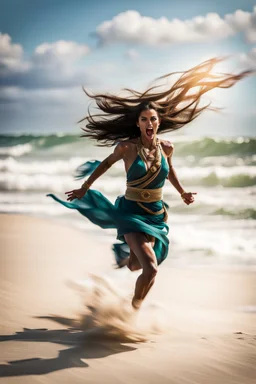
<point x="50" y="49"/>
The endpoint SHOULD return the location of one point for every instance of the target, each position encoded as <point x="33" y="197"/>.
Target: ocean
<point x="218" y="230"/>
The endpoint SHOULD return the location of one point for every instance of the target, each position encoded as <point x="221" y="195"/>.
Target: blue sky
<point x="50" y="49"/>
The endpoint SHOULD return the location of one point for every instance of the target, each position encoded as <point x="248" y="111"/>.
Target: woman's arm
<point x="172" y="176"/>
<point x="187" y="197"/>
<point x="107" y="163"/>
<point x="100" y="170"/>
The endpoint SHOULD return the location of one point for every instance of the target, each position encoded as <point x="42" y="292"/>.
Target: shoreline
<point x="92" y="234"/>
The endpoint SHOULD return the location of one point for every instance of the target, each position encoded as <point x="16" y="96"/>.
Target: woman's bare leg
<point x="142" y="248"/>
<point x="133" y="263"/>
<point x="130" y="262"/>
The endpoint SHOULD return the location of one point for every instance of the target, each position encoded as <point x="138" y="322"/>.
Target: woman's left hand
<point x="188" y="197"/>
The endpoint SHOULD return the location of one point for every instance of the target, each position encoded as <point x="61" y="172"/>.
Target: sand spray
<point x="107" y="308"/>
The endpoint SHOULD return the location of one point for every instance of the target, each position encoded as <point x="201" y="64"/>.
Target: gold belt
<point x="143" y="195"/>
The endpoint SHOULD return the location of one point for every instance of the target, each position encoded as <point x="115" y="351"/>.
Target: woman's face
<point x="148" y="123"/>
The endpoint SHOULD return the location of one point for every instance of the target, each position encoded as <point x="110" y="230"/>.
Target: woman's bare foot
<point x="136" y="303"/>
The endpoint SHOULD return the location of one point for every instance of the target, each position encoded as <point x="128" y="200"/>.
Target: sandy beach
<point x="205" y="319"/>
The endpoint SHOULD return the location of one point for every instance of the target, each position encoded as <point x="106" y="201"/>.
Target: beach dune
<point x="196" y="325"/>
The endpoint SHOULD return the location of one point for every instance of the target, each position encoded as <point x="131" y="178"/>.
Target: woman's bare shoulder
<point x="128" y="144"/>
<point x="167" y="147"/>
<point x="122" y="150"/>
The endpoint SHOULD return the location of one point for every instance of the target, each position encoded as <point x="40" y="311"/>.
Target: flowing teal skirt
<point x="100" y="211"/>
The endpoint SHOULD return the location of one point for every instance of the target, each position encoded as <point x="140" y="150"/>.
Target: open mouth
<point x="149" y="131"/>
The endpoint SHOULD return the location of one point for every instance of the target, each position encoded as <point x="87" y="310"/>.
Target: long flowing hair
<point x="176" y="106"/>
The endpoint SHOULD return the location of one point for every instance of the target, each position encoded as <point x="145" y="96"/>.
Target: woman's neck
<point x="149" y="144"/>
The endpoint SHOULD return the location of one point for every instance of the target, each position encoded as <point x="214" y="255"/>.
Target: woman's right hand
<point x="75" y="194"/>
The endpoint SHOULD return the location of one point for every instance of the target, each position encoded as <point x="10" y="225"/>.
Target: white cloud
<point x="61" y="52"/>
<point x="9" y="50"/>
<point x="239" y="20"/>
<point x="248" y="60"/>
<point x="244" y="21"/>
<point x="131" y="27"/>
<point x="11" y="56"/>
<point x="51" y="65"/>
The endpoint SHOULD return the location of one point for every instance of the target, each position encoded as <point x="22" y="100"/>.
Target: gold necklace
<point x="148" y="153"/>
<point x="147" y="156"/>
